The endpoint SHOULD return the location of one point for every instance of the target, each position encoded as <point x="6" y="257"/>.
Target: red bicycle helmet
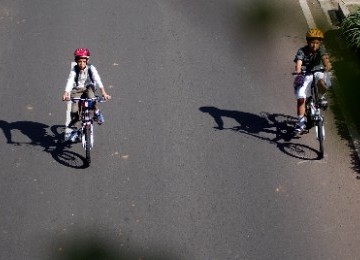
<point x="82" y="53"/>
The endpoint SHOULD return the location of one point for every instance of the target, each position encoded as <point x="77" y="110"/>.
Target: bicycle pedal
<point x="298" y="133"/>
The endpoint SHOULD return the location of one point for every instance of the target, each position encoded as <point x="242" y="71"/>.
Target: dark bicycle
<point x="313" y="112"/>
<point x="86" y="114"/>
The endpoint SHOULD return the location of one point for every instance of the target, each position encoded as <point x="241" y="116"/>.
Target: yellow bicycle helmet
<point x="314" y="34"/>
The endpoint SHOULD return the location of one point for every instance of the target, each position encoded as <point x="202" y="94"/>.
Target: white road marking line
<point x="307" y="13"/>
<point x="68" y="118"/>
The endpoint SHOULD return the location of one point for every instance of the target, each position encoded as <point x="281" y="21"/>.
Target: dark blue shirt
<point x="309" y="59"/>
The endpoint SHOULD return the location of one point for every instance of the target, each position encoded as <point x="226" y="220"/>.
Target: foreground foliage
<point x="350" y="30"/>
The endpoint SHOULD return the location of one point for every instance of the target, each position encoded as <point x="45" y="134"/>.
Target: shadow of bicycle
<point x="273" y="128"/>
<point x="48" y="138"/>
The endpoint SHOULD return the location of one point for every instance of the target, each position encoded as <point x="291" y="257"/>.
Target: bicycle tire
<point x="321" y="137"/>
<point x="309" y="121"/>
<point x="87" y="144"/>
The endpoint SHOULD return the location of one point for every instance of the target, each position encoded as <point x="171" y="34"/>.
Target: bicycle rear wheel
<point x="88" y="144"/>
<point x="321" y="136"/>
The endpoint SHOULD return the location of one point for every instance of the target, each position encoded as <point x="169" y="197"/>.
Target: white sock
<point x="301" y="120"/>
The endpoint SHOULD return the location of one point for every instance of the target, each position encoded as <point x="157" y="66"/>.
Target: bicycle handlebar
<point x="314" y="70"/>
<point x="97" y="99"/>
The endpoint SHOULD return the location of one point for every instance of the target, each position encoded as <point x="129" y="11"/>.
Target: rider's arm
<point x="99" y="83"/>
<point x="96" y="77"/>
<point x="325" y="59"/>
<point x="326" y="62"/>
<point x="299" y="60"/>
<point x="66" y="96"/>
<point x="298" y="64"/>
<point x="70" y="83"/>
<point x="104" y="93"/>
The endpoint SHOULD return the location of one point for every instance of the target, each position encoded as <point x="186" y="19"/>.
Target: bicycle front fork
<point x="319" y="126"/>
<point x="86" y="128"/>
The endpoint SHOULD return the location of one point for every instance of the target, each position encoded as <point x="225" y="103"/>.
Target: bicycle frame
<point x="313" y="113"/>
<point x="86" y="132"/>
<point x="312" y="103"/>
<point x="86" y="107"/>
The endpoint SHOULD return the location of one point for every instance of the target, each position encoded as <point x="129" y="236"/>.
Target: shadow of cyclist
<point x="36" y="132"/>
<point x="273" y="128"/>
<point x="50" y="141"/>
<point x="247" y="122"/>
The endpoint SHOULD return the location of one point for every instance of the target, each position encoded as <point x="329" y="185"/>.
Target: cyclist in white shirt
<point x="83" y="78"/>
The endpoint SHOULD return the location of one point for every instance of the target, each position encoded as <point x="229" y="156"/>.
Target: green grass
<point x="346" y="64"/>
<point x="350" y="30"/>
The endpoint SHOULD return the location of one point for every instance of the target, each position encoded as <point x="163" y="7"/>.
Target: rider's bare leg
<point x="322" y="86"/>
<point x="301" y="107"/>
<point x="322" y="90"/>
<point x="300" y="124"/>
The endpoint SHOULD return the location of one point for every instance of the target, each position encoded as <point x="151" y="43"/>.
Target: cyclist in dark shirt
<point x="306" y="58"/>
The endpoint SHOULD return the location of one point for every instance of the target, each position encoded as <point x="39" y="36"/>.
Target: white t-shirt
<point x="83" y="79"/>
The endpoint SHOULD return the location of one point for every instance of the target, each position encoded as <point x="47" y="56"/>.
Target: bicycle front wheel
<point x="88" y="144"/>
<point x="321" y="136"/>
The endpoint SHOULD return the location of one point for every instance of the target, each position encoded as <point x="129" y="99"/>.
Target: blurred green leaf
<point x="350" y="30"/>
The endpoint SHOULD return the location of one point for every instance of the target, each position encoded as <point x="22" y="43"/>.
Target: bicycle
<point x="313" y="111"/>
<point x="86" y="132"/>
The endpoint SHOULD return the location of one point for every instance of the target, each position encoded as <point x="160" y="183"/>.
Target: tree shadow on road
<point x="48" y="138"/>
<point x="345" y="91"/>
<point x="92" y="245"/>
<point x="273" y="128"/>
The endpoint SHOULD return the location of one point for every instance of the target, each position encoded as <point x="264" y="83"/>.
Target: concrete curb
<point x="343" y="9"/>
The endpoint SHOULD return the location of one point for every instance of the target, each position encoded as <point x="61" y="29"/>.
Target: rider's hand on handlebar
<point x="66" y="96"/>
<point x="106" y="96"/>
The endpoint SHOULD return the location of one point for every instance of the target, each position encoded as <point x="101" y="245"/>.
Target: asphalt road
<point x="194" y="160"/>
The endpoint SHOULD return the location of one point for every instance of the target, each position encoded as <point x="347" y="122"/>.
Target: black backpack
<point x="77" y="71"/>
